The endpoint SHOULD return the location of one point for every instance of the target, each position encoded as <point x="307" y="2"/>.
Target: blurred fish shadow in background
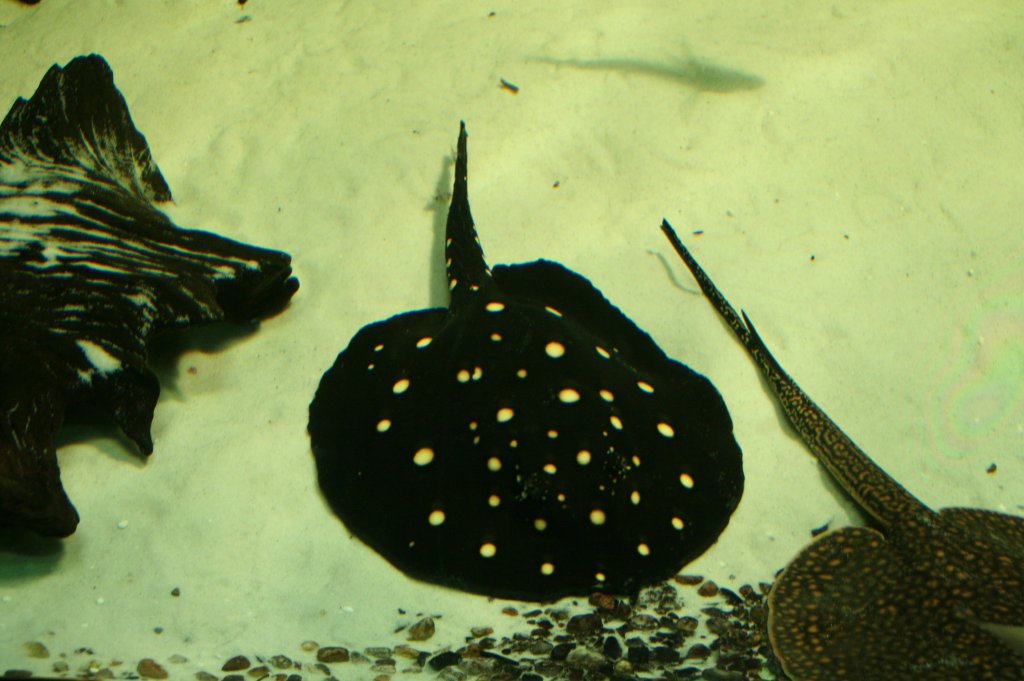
<point x="693" y="72"/>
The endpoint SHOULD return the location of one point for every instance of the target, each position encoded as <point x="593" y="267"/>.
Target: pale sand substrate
<point x="864" y="205"/>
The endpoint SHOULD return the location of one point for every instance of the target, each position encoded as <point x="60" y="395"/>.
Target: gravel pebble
<point x="422" y="630"/>
<point x="37" y="650"/>
<point x="332" y="654"/>
<point x="150" y="669"/>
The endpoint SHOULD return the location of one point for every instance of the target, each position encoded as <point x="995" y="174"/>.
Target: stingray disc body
<point x="90" y="270"/>
<point x="527" y="442"/>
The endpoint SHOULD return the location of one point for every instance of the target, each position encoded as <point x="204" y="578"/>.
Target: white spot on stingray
<point x="423" y="456"/>
<point x="478" y="373"/>
<point x="452" y="284"/>
<point x="678" y="523"/>
<point x="462" y="376"/>
<point x="599" y="576"/>
<point x="552" y="434"/>
<point x="547" y="569"/>
<point x="554" y="349"/>
<point x="494" y="464"/>
<point x="436" y="517"/>
<point x="540" y="524"/>
<point x="601" y="351"/>
<point x="383" y="425"/>
<point x="475" y="287"/>
<point x="552" y="310"/>
<point x="473" y="425"/>
<point x="686" y="480"/>
<point x="494" y="501"/>
<point x="370" y="367"/>
<point x="550" y="468"/>
<point x="496" y="337"/>
<point x="568" y="395"/>
<point x="645" y="386"/>
<point x="487" y="550"/>
<point x="424" y="342"/>
<point x="521" y="373"/>
<point x="494" y="306"/>
<point x="505" y="414"/>
<point x="615" y="421"/>
<point x="513" y="444"/>
<point x="634" y="498"/>
<point x="636" y="460"/>
<point x="597" y="517"/>
<point x="606" y="395"/>
<point x="400" y="386"/>
<point x="666" y="430"/>
<point x="583" y="457"/>
<point x="643" y="549"/>
<point x="561" y="497"/>
<point x="378" y="347"/>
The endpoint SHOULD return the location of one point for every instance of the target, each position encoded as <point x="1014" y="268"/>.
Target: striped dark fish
<point x="90" y="271"/>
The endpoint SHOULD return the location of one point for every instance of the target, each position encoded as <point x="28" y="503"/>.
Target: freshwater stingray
<point x="529" y="441"/>
<point x="90" y="270"/>
<point x="923" y="596"/>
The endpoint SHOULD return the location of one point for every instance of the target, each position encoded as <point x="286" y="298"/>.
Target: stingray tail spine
<point x="467" y="271"/>
<point x="861" y="477"/>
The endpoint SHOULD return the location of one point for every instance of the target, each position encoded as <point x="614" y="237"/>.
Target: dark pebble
<point x="235" y="664"/>
<point x="643" y="622"/>
<point x="584" y="624"/>
<point x="541" y="647"/>
<point x="332" y="654"/>
<point x="688" y="580"/>
<point x="612" y="648"/>
<point x="280" y="662"/>
<point x="549" y="668"/>
<point x="442" y="660"/>
<point x="17" y="674"/>
<point x="719" y="675"/>
<point x="233" y="677"/>
<point x="150" y="669"/>
<point x="422" y="630"/>
<point x="377" y="652"/>
<point x="708" y="589"/>
<point x="698" y="651"/>
<point x="638" y="655"/>
<point x="687" y="624"/>
<point x="260" y="672"/>
<point x="561" y="651"/>
<point x="530" y="676"/>
<point x="731" y="597"/>
<point x="175" y="592"/>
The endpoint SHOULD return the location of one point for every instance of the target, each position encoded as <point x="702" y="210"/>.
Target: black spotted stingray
<point x="529" y="441"/>
<point x="923" y="595"/>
